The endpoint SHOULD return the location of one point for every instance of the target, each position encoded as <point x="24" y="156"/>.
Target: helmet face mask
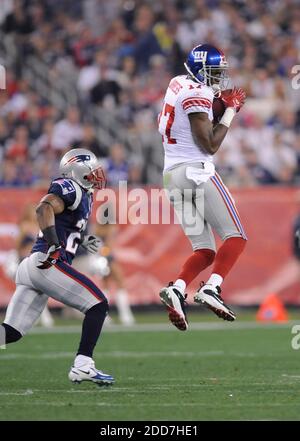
<point x="216" y="77"/>
<point x="97" y="178"/>
<point x="83" y="167"/>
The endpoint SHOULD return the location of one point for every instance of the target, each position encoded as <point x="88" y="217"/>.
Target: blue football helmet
<point x="208" y="65"/>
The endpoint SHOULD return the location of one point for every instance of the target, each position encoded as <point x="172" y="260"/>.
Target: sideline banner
<point x="152" y="254"/>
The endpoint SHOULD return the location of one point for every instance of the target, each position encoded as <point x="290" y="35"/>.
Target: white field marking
<point x="112" y="354"/>
<point x="32" y="356"/>
<point x="158" y="327"/>
<point x="26" y="392"/>
<point x="157" y="405"/>
<point x="95" y="390"/>
<point x="290" y="376"/>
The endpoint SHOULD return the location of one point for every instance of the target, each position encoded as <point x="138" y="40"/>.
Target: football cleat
<point x="90" y="373"/>
<point x="175" y="303"/>
<point x="209" y="297"/>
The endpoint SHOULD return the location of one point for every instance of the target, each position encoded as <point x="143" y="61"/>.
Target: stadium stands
<point x="96" y="72"/>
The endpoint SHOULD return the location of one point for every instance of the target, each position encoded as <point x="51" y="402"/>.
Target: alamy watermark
<point x="296" y="79"/>
<point x="2" y="77"/>
<point x="296" y="339"/>
<point x="2" y="338"/>
<point x="138" y="206"/>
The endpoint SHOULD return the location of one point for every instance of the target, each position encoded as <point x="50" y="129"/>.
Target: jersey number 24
<point x="74" y="238"/>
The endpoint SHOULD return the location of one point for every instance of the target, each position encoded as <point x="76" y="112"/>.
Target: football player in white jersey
<point x="190" y="142"/>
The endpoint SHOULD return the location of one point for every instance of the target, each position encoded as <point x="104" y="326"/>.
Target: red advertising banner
<point x="152" y="254"/>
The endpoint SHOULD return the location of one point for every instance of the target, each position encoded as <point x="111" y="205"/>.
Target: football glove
<point x="50" y="258"/>
<point x="91" y="243"/>
<point x="235" y="99"/>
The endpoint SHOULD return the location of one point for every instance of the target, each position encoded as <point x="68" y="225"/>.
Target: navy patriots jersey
<point x="72" y="221"/>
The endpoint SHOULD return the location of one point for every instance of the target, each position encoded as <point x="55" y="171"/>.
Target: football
<point x="219" y="107"/>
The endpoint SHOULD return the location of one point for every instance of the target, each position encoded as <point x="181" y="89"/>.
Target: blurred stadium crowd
<point x="110" y="63"/>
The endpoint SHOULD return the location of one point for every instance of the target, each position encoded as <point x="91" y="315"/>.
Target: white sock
<point x="180" y="284"/>
<point x="215" y="280"/>
<point x="82" y="360"/>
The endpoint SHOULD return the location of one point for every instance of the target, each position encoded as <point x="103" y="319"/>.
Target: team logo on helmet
<point x="200" y="56"/>
<point x="79" y="158"/>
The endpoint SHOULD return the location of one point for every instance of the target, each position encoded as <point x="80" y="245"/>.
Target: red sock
<point x="196" y="263"/>
<point x="227" y="255"/>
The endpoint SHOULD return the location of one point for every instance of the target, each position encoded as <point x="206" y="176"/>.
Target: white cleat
<point x="90" y="373"/>
<point x="175" y="303"/>
<point x="209" y="296"/>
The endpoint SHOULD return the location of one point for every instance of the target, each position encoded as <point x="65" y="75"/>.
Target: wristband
<point x="228" y="116"/>
<point x="51" y="236"/>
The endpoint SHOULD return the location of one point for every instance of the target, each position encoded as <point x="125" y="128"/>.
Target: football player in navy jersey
<point x="62" y="216"/>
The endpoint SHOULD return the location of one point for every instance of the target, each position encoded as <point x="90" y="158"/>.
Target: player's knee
<point x="105" y="306"/>
<point x="243" y="242"/>
<point x="208" y="253"/>
<point x="210" y="256"/>
<point x="237" y="243"/>
<point x="101" y="309"/>
<point x="11" y="334"/>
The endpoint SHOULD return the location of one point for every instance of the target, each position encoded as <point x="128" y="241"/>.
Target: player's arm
<point x="49" y="206"/>
<point x="210" y="137"/>
<point x="205" y="135"/>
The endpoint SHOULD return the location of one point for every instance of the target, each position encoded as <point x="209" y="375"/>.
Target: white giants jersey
<point x="183" y="96"/>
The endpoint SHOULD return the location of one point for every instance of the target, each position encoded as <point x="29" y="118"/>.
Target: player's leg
<point x="203" y="244"/>
<point x="222" y="215"/>
<point x="69" y="286"/>
<point x="201" y="238"/>
<point x="24" y="309"/>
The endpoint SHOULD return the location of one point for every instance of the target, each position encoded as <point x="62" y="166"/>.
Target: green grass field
<point x="215" y="371"/>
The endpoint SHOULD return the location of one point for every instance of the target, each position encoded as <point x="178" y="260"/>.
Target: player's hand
<point x="91" y="243"/>
<point x="235" y="99"/>
<point x="50" y="258"/>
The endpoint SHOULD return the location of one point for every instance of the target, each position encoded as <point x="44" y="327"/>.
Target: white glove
<point x="91" y="243"/>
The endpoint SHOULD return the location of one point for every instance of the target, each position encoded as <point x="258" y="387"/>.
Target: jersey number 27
<point x="165" y="121"/>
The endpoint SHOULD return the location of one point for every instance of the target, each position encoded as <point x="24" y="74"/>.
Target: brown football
<point x="219" y="107"/>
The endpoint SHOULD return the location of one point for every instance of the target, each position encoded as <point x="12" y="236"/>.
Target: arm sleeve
<point x="196" y="100"/>
<point x="65" y="189"/>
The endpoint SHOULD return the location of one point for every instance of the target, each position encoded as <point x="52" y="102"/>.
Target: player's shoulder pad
<point x="192" y="89"/>
<point x="66" y="185"/>
<point x="196" y="97"/>
<point x="69" y="190"/>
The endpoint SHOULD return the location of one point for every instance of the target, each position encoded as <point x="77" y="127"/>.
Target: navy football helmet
<point x="207" y="64"/>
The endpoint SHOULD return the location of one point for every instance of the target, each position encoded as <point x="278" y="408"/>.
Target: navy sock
<point x="91" y="328"/>
<point x="11" y="334"/>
